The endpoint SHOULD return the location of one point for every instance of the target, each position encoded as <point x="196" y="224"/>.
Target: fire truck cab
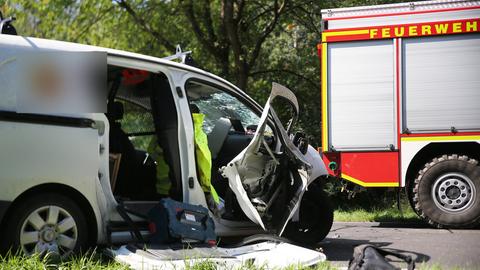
<point x="400" y="103"/>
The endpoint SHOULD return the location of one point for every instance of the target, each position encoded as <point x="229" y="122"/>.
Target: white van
<point x="63" y="175"/>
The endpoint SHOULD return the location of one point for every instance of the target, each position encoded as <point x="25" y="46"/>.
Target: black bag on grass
<point x="369" y="257"/>
<point x="172" y="221"/>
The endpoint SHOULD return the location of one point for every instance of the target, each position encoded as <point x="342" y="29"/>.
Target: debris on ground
<point x="267" y="255"/>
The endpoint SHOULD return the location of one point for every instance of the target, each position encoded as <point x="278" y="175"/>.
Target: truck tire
<point x="316" y="217"/>
<point x="45" y="223"/>
<point x="446" y="192"/>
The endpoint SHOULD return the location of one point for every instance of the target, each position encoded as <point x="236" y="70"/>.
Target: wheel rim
<point x="49" y="229"/>
<point x="454" y="192"/>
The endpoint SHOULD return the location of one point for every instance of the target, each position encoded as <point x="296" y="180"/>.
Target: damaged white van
<point x="69" y="157"/>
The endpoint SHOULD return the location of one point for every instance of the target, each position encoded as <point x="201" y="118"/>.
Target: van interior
<point x="142" y="115"/>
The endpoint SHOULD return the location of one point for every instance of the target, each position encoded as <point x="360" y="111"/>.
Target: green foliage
<point x="138" y="119"/>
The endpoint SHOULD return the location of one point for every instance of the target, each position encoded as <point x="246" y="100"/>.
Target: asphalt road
<point x="447" y="248"/>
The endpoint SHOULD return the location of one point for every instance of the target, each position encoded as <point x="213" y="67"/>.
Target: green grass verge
<point x="379" y="215"/>
<point x="95" y="261"/>
<point x="91" y="260"/>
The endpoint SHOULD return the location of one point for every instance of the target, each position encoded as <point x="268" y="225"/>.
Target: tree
<point x="231" y="32"/>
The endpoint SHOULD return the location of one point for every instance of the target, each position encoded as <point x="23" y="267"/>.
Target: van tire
<point x="316" y="217"/>
<point x="66" y="222"/>
<point x="446" y="192"/>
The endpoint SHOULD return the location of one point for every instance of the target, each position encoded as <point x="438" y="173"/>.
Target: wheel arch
<point x="432" y="150"/>
<point x="72" y="193"/>
<point x="326" y="216"/>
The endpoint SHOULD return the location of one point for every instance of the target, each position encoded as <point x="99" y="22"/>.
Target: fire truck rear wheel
<point x="446" y="192"/>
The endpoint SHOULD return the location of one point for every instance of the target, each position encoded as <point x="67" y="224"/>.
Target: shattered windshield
<point x="215" y="104"/>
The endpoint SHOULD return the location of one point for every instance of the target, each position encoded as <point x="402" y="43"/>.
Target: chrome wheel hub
<point x="49" y="229"/>
<point x="453" y="192"/>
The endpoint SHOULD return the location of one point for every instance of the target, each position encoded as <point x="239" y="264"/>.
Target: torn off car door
<point x="266" y="179"/>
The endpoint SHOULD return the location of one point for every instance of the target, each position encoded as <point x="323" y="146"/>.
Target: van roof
<point x="48" y="44"/>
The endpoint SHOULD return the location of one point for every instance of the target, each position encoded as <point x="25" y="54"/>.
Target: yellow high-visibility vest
<point x="163" y="183"/>
<point x="204" y="157"/>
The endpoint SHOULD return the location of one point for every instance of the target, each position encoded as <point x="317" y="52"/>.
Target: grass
<point x="92" y="260"/>
<point x="379" y="215"/>
<point x="95" y="261"/>
<point x="384" y="212"/>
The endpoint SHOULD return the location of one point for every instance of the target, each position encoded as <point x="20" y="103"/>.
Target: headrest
<point x="194" y="108"/>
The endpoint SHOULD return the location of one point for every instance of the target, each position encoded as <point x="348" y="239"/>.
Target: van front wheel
<point x="316" y="217"/>
<point x="47" y="223"/>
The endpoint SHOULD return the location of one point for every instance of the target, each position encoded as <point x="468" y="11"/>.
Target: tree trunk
<point x="242" y="76"/>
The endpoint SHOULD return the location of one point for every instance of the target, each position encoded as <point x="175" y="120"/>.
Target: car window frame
<point x="138" y="134"/>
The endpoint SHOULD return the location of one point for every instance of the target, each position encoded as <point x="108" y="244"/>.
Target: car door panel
<point x="258" y="163"/>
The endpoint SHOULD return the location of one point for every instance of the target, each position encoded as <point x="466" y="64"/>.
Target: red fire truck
<point x="401" y="103"/>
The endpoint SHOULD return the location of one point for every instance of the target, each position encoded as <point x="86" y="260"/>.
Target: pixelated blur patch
<point x="62" y="82"/>
<point x="47" y="81"/>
